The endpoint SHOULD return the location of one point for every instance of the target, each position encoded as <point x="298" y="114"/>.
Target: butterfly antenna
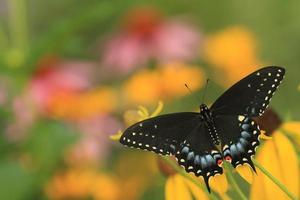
<point x="204" y="93"/>
<point x="197" y="99"/>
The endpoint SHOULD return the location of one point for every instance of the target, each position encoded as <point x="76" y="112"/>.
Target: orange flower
<point x="143" y="87"/>
<point x="82" y="104"/>
<point x="78" y="184"/>
<point x="233" y="53"/>
<point x="167" y="82"/>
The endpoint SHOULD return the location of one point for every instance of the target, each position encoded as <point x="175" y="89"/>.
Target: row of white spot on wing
<point x="255" y="133"/>
<point x="235" y="147"/>
<point x="202" y="159"/>
<point x="131" y="142"/>
<point x="277" y="80"/>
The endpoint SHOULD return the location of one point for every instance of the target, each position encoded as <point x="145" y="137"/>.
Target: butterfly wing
<point x="183" y="135"/>
<point x="234" y="110"/>
<point x="161" y="134"/>
<point x="239" y="137"/>
<point x="251" y="95"/>
<point x="199" y="155"/>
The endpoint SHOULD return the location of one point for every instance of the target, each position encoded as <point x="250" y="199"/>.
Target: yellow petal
<point x="279" y="158"/>
<point x="224" y="196"/>
<point x="257" y="191"/>
<point x="117" y="136"/>
<point x="219" y="183"/>
<point x="293" y="128"/>
<point x="158" y="109"/>
<point x="288" y="162"/>
<point x="198" y="193"/>
<point x="143" y="112"/>
<point x="245" y="172"/>
<point x="176" y="189"/>
<point x="131" y="117"/>
<point x="264" y="136"/>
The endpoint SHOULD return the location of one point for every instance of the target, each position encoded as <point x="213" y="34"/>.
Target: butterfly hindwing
<point x="240" y="137"/>
<point x="251" y="95"/>
<point x="199" y="155"/>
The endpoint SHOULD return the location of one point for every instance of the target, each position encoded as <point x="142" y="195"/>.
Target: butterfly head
<point x="205" y="113"/>
<point x="203" y="108"/>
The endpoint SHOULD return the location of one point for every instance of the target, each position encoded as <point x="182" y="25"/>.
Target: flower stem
<point x="184" y="174"/>
<point x="274" y="180"/>
<point x="233" y="182"/>
<point x="3" y="37"/>
<point x="18" y="24"/>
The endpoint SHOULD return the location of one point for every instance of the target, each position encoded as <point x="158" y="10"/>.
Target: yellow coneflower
<point x="232" y="52"/>
<point x="279" y="157"/>
<point x="166" y="82"/>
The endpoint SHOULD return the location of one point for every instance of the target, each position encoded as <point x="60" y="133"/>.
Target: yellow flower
<point x="143" y="87"/>
<point x="233" y="53"/>
<point x="293" y="129"/>
<point x="178" y="188"/>
<point x="174" y="76"/>
<point x="166" y="82"/>
<point x="83" y="104"/>
<point x="83" y="183"/>
<point x="134" y="116"/>
<point x="279" y="157"/>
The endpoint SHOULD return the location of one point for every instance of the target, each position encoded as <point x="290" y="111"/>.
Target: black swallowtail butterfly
<point x="225" y="131"/>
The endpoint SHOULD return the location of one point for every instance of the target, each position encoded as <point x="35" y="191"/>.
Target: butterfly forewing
<point x="251" y="95"/>
<point x="161" y="134"/>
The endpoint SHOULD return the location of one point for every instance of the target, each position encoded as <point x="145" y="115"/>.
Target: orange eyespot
<point x="228" y="158"/>
<point x="219" y="162"/>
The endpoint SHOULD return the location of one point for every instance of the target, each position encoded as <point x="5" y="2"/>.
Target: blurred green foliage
<point x="31" y="29"/>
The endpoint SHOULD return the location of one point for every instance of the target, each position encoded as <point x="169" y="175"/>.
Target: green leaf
<point x="46" y="144"/>
<point x="15" y="182"/>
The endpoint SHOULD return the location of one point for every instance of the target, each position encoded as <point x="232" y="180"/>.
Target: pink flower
<point x="24" y="116"/>
<point x="53" y="76"/>
<point x="59" y="76"/>
<point x="146" y="36"/>
<point x="95" y="144"/>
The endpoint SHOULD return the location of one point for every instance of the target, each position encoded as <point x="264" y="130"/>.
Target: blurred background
<point x="73" y="73"/>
